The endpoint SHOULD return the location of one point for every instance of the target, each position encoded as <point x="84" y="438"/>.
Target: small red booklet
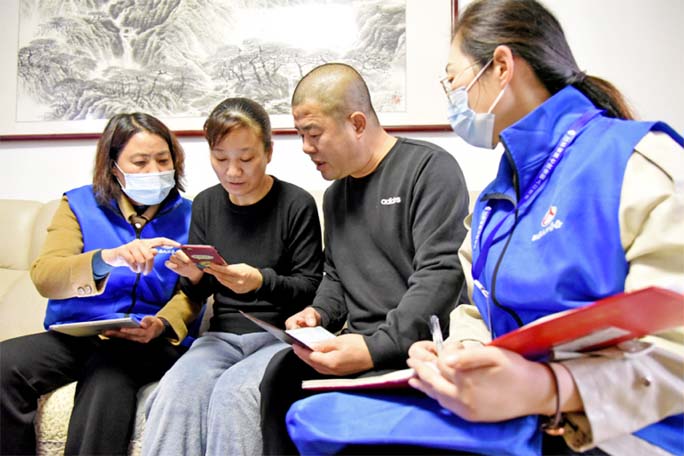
<point x="606" y="322"/>
<point x="395" y="379"/>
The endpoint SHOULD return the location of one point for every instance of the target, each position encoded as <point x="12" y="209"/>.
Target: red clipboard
<point x="606" y="322"/>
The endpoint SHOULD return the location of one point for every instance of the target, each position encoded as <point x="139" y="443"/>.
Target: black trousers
<point x="281" y="386"/>
<point x="109" y="374"/>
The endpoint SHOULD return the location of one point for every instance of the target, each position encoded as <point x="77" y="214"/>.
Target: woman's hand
<point x="423" y="351"/>
<point x="241" y="278"/>
<point x="150" y="328"/>
<point x="182" y="265"/>
<point x="137" y="255"/>
<point x="482" y="383"/>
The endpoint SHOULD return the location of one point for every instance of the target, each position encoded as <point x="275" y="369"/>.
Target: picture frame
<point x="401" y="57"/>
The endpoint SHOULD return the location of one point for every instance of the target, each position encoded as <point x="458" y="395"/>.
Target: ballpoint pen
<point x="436" y="333"/>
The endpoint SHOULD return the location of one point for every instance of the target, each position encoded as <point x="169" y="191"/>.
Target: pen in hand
<point x="436" y="331"/>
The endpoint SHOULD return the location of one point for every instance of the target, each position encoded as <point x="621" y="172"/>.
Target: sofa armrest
<point x="22" y="233"/>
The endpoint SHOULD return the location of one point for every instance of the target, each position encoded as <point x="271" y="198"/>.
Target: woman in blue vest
<point x="586" y="203"/>
<point x="104" y="258"/>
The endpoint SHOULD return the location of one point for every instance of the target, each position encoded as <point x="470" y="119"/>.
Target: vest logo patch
<point x="549" y="216"/>
<point x="549" y="223"/>
<point x="390" y="201"/>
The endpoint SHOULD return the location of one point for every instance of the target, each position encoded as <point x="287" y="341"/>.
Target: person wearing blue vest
<point x="586" y="203"/>
<point x="104" y="258"/>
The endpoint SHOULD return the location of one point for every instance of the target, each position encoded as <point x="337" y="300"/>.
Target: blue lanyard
<point x="532" y="191"/>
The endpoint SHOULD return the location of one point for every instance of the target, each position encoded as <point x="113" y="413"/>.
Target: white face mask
<point x="477" y="129"/>
<point x="148" y="188"/>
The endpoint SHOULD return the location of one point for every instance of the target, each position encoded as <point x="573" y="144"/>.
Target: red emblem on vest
<point x="549" y="216"/>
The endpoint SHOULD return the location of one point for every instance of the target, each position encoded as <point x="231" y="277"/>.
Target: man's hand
<point x="150" y="328"/>
<point x="241" y="278"/>
<point x="307" y="318"/>
<point x="138" y="255"/>
<point x="344" y="355"/>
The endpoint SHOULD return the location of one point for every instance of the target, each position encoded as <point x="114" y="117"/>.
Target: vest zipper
<point x="495" y="274"/>
<point x="496" y="302"/>
<point x="134" y="298"/>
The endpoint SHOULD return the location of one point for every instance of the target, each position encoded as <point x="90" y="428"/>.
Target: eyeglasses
<point x="446" y="81"/>
<point x="446" y="84"/>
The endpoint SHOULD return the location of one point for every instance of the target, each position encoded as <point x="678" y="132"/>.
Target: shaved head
<point x="338" y="89"/>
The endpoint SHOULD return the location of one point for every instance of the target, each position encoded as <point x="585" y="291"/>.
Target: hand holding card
<point x="203" y="255"/>
<point x="306" y="337"/>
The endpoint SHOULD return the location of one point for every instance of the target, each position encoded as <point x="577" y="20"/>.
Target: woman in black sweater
<point x="268" y="233"/>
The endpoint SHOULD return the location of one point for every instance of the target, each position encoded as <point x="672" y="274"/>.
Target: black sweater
<point x="280" y="235"/>
<point x="391" y="249"/>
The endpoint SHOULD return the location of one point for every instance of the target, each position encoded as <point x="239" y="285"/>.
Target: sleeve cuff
<point x="325" y="316"/>
<point x="268" y="276"/>
<point x="100" y="268"/>
<point x="168" y="333"/>
<point x="196" y="292"/>
<point x="652" y="378"/>
<point x="384" y="351"/>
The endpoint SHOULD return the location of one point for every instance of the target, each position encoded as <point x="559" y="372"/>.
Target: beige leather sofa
<point x="22" y="231"/>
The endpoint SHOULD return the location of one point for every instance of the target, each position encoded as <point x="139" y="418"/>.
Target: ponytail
<point x="534" y="34"/>
<point x="605" y="96"/>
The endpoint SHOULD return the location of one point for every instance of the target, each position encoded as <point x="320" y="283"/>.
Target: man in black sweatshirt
<point x="393" y="223"/>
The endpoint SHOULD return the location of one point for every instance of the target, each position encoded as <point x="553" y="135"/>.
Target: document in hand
<point x="305" y="337"/>
<point x="606" y="322"/>
<point x="92" y="328"/>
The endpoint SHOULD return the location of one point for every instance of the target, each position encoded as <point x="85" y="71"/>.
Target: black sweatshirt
<point x="280" y="235"/>
<point x="391" y="249"/>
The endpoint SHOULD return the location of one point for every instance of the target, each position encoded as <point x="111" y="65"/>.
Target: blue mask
<point x="477" y="129"/>
<point x="148" y="188"/>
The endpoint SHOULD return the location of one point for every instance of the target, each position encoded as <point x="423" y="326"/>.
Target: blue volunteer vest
<point x="126" y="292"/>
<point x="563" y="249"/>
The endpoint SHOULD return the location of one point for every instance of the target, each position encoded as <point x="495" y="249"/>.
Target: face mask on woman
<point x="148" y="188"/>
<point x="477" y="129"/>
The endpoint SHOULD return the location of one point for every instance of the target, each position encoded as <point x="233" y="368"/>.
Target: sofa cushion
<point x="8" y="280"/>
<point x="22" y="233"/>
<point x="52" y="420"/>
<point x="21" y="307"/>
<point x="16" y="232"/>
<point x="54" y="411"/>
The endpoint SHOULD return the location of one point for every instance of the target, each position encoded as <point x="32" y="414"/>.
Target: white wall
<point x="42" y="170"/>
<point x="638" y="45"/>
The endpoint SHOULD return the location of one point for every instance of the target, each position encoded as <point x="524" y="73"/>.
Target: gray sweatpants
<point x="208" y="402"/>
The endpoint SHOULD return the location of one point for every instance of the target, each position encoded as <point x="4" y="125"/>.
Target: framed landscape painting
<point x="72" y="64"/>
